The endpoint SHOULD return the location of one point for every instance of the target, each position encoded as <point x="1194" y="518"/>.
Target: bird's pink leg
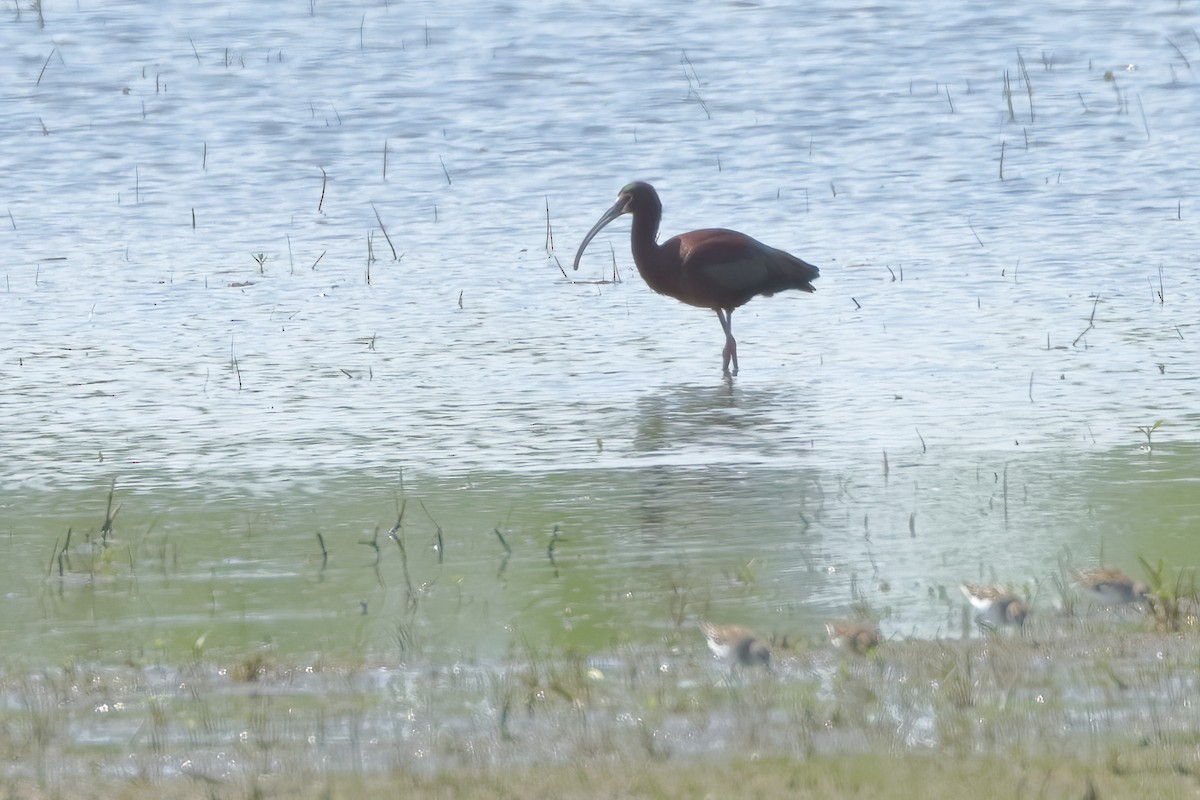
<point x="730" y="351"/>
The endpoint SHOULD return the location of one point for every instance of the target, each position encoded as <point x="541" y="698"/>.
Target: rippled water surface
<point x="275" y="269"/>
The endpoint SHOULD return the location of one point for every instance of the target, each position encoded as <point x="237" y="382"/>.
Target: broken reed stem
<point x="1108" y="76"/>
<point x="1028" y="85"/>
<point x="324" y="552"/>
<point x="39" y="82"/>
<point x="688" y="63"/>
<point x="1006" y="495"/>
<point x="549" y="230"/>
<point x="385" y="233"/>
<point x="550" y="550"/>
<point x="1091" y="322"/>
<point x="1001" y="159"/>
<point x="396" y="534"/>
<point x="373" y="543"/>
<point x="693" y="80"/>
<point x="445" y="172"/>
<point x="60" y="556"/>
<point x="234" y="362"/>
<point x="438" y="537"/>
<point x="503" y="543"/>
<point x="399" y="519"/>
<point x="976" y="235"/>
<point x="109" y="515"/>
<point x="324" y="180"/>
<point x="1179" y="52"/>
<point x="1012" y="114"/>
<point x="55" y="556"/>
<point x="385" y="160"/>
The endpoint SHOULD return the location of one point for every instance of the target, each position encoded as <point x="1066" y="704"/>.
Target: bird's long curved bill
<point x="617" y="210"/>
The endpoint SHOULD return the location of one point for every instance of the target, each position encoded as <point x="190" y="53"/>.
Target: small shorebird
<point x="737" y="645"/>
<point x="1111" y="586"/>
<point x="997" y="605"/>
<point x="855" y="637"/>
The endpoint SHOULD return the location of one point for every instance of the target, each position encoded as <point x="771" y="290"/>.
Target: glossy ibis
<point x="710" y="268"/>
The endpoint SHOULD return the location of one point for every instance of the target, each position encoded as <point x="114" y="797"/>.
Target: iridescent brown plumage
<point x="710" y="268"/>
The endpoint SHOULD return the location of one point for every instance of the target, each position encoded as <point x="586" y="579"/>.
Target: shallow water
<point x="959" y="399"/>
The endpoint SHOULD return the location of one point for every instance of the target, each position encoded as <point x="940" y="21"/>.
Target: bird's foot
<point x="729" y="355"/>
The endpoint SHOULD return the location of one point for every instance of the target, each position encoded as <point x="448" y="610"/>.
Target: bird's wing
<point x="725" y="261"/>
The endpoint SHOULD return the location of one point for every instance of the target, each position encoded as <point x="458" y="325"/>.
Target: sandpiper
<point x="1111" y="586"/>
<point x="854" y="636"/>
<point x="997" y="605"/>
<point x="736" y="644"/>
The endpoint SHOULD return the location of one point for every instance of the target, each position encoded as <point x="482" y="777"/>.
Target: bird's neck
<point x="643" y="242"/>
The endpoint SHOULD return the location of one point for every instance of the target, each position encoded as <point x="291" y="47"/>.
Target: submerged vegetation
<point x="1091" y="697"/>
<point x="1101" y="703"/>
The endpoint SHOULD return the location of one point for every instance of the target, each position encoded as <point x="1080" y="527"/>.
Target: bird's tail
<point x="794" y="273"/>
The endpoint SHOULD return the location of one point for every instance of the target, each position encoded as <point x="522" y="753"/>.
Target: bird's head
<point x="1016" y="612"/>
<point x="635" y="198"/>
<point x="754" y="651"/>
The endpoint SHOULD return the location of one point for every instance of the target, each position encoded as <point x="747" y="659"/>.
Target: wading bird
<point x="710" y="268"/>
<point x="853" y="636"/>
<point x="736" y="645"/>
<point x="1111" y="586"/>
<point x="997" y="605"/>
